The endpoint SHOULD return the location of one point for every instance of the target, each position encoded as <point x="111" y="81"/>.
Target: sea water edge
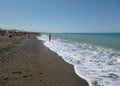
<point x="85" y="56"/>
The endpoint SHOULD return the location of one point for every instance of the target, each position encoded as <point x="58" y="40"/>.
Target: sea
<point x="95" y="56"/>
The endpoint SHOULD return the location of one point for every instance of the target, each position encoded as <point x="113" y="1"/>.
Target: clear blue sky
<point x="61" y="15"/>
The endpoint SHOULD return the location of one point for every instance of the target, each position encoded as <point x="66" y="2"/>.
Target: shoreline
<point x="68" y="64"/>
<point x="33" y="64"/>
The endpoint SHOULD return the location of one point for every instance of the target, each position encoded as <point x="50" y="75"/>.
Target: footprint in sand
<point x="40" y="73"/>
<point x="26" y="76"/>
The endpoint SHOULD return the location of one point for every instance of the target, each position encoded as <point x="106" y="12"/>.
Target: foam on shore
<point x="98" y="65"/>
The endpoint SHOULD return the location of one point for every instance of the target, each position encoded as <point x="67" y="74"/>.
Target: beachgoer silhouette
<point x="50" y="37"/>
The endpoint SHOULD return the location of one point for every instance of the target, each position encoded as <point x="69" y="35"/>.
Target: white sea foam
<point x="98" y="65"/>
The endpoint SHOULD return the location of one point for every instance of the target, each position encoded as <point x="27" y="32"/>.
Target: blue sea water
<point x="111" y="40"/>
<point x="95" y="56"/>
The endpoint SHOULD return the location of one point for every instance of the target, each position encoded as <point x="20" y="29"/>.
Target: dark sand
<point x="30" y="63"/>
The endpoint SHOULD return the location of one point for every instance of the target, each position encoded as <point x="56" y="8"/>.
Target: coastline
<point x="33" y="64"/>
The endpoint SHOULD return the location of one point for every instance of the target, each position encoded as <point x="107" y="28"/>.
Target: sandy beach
<point x="29" y="63"/>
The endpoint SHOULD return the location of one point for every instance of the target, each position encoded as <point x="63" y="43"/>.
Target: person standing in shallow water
<point x="50" y="37"/>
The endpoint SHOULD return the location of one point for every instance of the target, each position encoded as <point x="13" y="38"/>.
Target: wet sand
<point x="30" y="63"/>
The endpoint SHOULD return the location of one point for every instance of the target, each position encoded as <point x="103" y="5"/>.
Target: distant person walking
<point x="50" y="37"/>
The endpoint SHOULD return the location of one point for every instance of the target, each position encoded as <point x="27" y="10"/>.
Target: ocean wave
<point x="100" y="66"/>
